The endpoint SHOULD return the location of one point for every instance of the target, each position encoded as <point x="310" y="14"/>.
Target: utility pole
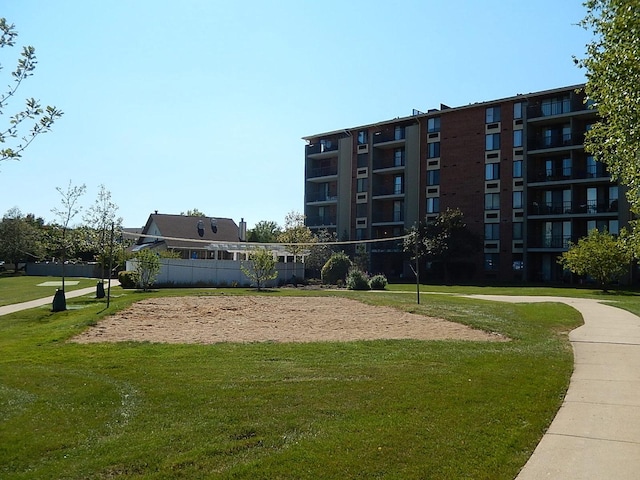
<point x="417" y="267"/>
<point x="110" y="265"/>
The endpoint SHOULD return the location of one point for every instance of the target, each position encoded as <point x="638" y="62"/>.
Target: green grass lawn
<point x="23" y="288"/>
<point x="371" y="409"/>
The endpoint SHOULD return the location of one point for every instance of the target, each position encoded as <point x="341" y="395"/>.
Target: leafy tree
<point x="296" y="235"/>
<point x="19" y="237"/>
<point x="146" y="268"/>
<point x="101" y="216"/>
<point x="320" y="252"/>
<point x="265" y="231"/>
<point x="612" y="66"/>
<point x="30" y="120"/>
<point x="261" y="267"/>
<point x="600" y="255"/>
<point x="69" y="209"/>
<point x="336" y="268"/>
<point x="446" y="240"/>
<point x="193" y="213"/>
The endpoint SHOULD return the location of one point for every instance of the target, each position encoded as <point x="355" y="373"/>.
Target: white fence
<point x="215" y="272"/>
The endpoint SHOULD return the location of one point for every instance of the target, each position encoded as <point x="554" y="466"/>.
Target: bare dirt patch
<point x="224" y="318"/>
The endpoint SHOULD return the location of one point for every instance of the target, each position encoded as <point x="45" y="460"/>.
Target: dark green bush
<point x="127" y="279"/>
<point x="336" y="268"/>
<point x="357" y="280"/>
<point x="378" y="282"/>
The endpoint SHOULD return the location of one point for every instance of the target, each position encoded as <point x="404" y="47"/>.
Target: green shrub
<point x="127" y="279"/>
<point x="336" y="268"/>
<point x="378" y="282"/>
<point x="357" y="280"/>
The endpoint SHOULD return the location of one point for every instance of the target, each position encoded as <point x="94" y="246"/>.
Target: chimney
<point x="242" y="233"/>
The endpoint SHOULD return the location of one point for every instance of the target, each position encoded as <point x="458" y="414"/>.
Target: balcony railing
<point x="389" y="136"/>
<point x="321" y="147"/>
<point x="564" y="208"/>
<point x="320" y="220"/>
<point x="556" y="140"/>
<point x="383" y="190"/>
<point x="321" y="197"/>
<point x="381" y="163"/>
<point x="550" y="241"/>
<point x="567" y="173"/>
<point x="550" y="208"/>
<point x="322" y="171"/>
<point x="395" y="217"/>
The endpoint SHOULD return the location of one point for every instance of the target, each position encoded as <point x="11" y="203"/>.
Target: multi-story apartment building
<point x="516" y="168"/>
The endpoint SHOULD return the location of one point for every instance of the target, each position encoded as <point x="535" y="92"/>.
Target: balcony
<point x="321" y="149"/>
<point x="320" y="220"/>
<point x="321" y="197"/>
<point x="388" y="217"/>
<point x="550" y="208"/>
<point x="389" y="138"/>
<point x="387" y="190"/>
<point x="556" y="140"/>
<point x="556" y="242"/>
<point x="387" y="163"/>
<point x="559" y="106"/>
<point x="568" y="173"/>
<point x="590" y="207"/>
<point x="326" y="171"/>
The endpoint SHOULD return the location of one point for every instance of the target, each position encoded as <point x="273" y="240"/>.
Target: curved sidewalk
<point x="596" y="433"/>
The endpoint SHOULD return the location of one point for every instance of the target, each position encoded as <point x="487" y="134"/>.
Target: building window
<point x="398" y="207"/>
<point x="492" y="114"/>
<point x="517" y="138"/>
<point x="556" y="106"/>
<point x="611" y="226"/>
<point x="492" y="201"/>
<point x="517" y="199"/>
<point x="361" y="233"/>
<point x="433" y="177"/>
<point x="517" y="110"/>
<point x="397" y="185"/>
<point x="433" y="205"/>
<point x="398" y="133"/>
<point x="363" y="185"/>
<point x="433" y="124"/>
<point x="491" y="261"/>
<point x="492" y="141"/>
<point x="398" y="157"/>
<point x="517" y="169"/>
<point x="518" y="230"/>
<point x="433" y="150"/>
<point x="492" y="231"/>
<point x="492" y="171"/>
<point x="362" y="137"/>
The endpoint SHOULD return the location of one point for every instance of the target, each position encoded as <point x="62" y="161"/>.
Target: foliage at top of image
<point x="30" y="120"/>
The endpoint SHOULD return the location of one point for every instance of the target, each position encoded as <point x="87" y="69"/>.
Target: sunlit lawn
<point x="398" y="409"/>
<point x="23" y="288"/>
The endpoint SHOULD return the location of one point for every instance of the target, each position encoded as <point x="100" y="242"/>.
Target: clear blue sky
<point x="202" y="104"/>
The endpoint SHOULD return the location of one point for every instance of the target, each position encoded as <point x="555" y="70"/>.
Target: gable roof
<point x="200" y="229"/>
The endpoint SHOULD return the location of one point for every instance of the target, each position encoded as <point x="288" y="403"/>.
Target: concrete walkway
<point x="596" y="433"/>
<point x="16" y="307"/>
